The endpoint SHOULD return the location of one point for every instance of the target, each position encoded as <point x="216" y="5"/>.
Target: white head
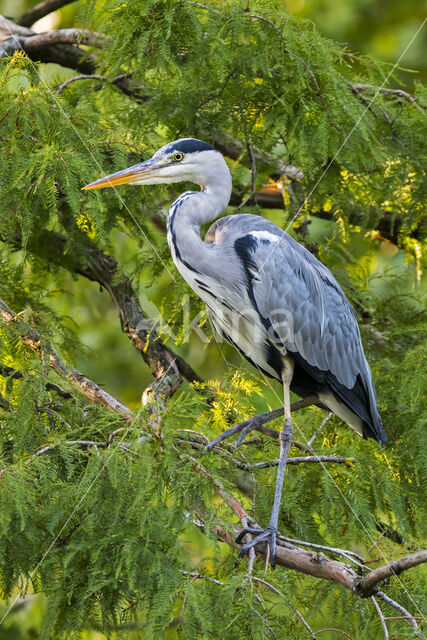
<point x="184" y="160"/>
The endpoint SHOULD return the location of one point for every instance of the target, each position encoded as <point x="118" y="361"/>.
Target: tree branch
<point x="86" y="386"/>
<point x="381" y="617"/>
<point x="296" y="460"/>
<point x="399" y="93"/>
<point x="366" y="586"/>
<point x="40" y="10"/>
<point x="64" y="36"/>
<point x="310" y="563"/>
<point x="88" y="260"/>
<point x="53" y="46"/>
<point x="411" y="619"/>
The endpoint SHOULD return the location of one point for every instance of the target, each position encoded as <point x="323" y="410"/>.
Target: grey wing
<point x="305" y="309"/>
<point x="306" y="314"/>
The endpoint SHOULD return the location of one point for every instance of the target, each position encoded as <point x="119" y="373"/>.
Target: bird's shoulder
<point x="229" y="228"/>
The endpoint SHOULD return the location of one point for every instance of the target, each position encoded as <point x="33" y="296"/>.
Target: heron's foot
<point x="267" y="535"/>
<point x="243" y="428"/>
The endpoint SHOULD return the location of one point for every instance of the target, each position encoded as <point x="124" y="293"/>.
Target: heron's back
<point x="289" y="303"/>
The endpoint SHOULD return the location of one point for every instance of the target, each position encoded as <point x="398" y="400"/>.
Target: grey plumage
<point x="265" y="294"/>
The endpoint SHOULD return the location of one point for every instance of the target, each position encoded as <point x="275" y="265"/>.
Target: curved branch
<point x="40" y="10"/>
<point x="366" y="586"/>
<point x="398" y="93"/>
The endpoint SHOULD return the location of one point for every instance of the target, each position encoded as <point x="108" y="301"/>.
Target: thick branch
<point x="40" y="10"/>
<point x="64" y="36"/>
<point x="87" y="260"/>
<point x="86" y="386"/>
<point x="366" y="586"/>
<point x="310" y="563"/>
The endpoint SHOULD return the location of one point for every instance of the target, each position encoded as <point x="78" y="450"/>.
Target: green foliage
<point x="97" y="512"/>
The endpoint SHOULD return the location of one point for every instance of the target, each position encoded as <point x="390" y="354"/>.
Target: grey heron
<point x="266" y="295"/>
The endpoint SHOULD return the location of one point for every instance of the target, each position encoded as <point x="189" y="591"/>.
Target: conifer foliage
<point x="113" y="510"/>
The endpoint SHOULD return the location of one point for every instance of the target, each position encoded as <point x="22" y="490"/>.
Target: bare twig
<point x="40" y="10"/>
<point x="296" y="460"/>
<point x="408" y="617"/>
<point x="194" y="574"/>
<point x="381" y="617"/>
<point x="255" y="423"/>
<point x="350" y="555"/>
<point x="294" y="609"/>
<point x="64" y="84"/>
<point x="316" y="433"/>
<point x="344" y="633"/>
<point x="399" y="93"/>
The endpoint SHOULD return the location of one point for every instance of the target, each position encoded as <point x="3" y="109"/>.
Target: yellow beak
<point x="132" y="175"/>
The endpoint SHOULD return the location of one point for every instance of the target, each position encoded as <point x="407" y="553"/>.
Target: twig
<point x="297" y="460"/>
<point x="294" y="609"/>
<point x="264" y="619"/>
<point x="14" y="374"/>
<point x="316" y="433"/>
<point x="253" y="165"/>
<point x="86" y="386"/>
<point x="369" y="105"/>
<point x="409" y="97"/>
<point x="4" y="404"/>
<point x="333" y="629"/>
<point x="408" y="617"/>
<point x="350" y="555"/>
<point x="301" y="61"/>
<point x="255" y="422"/>
<point x="220" y="90"/>
<point x="184" y="600"/>
<point x="251" y="555"/>
<point x="194" y="574"/>
<point x="381" y="617"/>
<point x="60" y="87"/>
<point x="40" y="10"/>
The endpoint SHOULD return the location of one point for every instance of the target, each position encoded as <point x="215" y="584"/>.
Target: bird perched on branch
<point x="266" y="295"/>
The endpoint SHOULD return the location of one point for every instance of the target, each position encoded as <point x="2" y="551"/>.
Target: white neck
<point x="194" y="208"/>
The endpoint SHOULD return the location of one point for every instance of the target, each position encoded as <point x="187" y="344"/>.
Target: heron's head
<point x="183" y="160"/>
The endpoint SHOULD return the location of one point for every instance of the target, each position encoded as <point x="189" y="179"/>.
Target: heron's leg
<point x="269" y="534"/>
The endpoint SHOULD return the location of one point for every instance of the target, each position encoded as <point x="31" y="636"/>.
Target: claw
<point x="246" y="530"/>
<point x="262" y="535"/>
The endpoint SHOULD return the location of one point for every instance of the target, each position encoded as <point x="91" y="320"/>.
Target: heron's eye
<point x="178" y="156"/>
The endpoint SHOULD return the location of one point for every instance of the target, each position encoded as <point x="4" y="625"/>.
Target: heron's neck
<point x="191" y="210"/>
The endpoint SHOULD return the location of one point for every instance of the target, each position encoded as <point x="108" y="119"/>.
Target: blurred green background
<point x="382" y="28"/>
